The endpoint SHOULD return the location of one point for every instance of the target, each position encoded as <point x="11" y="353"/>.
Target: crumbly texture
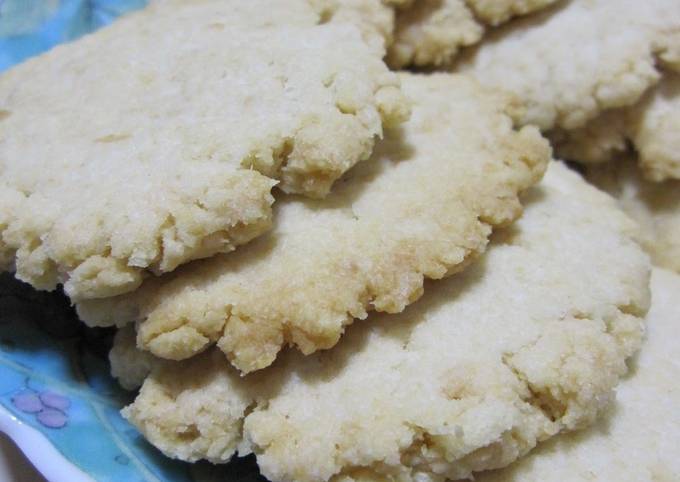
<point x="654" y="128"/>
<point x="571" y="63"/>
<point x="431" y="32"/>
<point x="600" y="140"/>
<point x="651" y="126"/>
<point x="637" y="440"/>
<point x="525" y="344"/>
<point x="655" y="206"/>
<point x="495" y="12"/>
<point x="129" y="365"/>
<point x="423" y="207"/>
<point x="136" y="149"/>
<point x="375" y="18"/>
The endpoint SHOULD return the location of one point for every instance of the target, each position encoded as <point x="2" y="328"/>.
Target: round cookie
<point x="431" y="32"/>
<point x="637" y="440"/>
<point x="571" y="63"/>
<point x="655" y="206"/>
<point x="136" y="149"/>
<point x="526" y="343"/>
<point x="422" y="207"/>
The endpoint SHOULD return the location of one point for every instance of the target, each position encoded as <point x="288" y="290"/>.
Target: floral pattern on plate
<point x="54" y="377"/>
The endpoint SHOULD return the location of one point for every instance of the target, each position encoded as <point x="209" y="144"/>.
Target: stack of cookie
<point x="354" y="271"/>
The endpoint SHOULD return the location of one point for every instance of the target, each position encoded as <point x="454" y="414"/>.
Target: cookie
<point x="655" y="206"/>
<point x="129" y="365"/>
<point x="637" y="440"/>
<point x="573" y="62"/>
<point x="422" y="207"/>
<point x="135" y="149"/>
<point x="374" y="18"/>
<point x="526" y="343"/>
<point x="651" y="126"/>
<point x="598" y="141"/>
<point x="431" y="32"/>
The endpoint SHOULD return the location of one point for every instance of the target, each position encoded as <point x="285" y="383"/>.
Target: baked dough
<point x="573" y="62"/>
<point x="526" y="343"/>
<point x="422" y="207"/>
<point x="157" y="140"/>
<point x="637" y="439"/>
<point x="655" y="206"/>
<point x="651" y="126"/>
<point x="431" y="32"/>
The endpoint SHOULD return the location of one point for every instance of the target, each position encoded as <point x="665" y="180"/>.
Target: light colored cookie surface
<point x="375" y="18"/>
<point x="652" y="126"/>
<point x="639" y="438"/>
<point x="522" y="345"/>
<point x="655" y="206"/>
<point x="571" y="63"/>
<point x="598" y="141"/>
<point x="129" y="365"/>
<point x="422" y="207"/>
<point x="431" y="32"/>
<point x="138" y="148"/>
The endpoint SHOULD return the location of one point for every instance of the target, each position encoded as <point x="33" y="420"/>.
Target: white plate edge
<point x="39" y="451"/>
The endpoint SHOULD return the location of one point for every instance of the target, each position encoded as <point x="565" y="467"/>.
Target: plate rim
<point x="40" y="452"/>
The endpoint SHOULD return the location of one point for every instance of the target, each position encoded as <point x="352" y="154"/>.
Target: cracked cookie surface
<point x="526" y="343"/>
<point x="136" y="149"/>
<point x="580" y="58"/>
<point x="636" y="440"/>
<point x="422" y="207"/>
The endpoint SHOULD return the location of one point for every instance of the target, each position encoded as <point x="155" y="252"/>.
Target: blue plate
<point x="55" y="383"/>
<point x="30" y="27"/>
<point x="57" y="399"/>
